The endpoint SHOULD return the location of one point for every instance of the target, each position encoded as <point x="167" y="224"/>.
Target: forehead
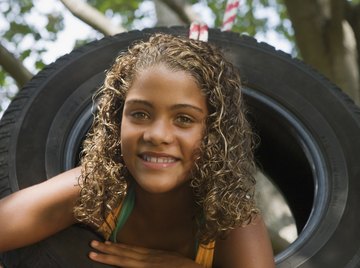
<point x="162" y="82"/>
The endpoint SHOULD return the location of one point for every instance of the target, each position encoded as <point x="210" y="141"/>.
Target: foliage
<point x="257" y="17"/>
<point x="125" y="9"/>
<point x="24" y="29"/>
<point x="23" y="32"/>
<point x="354" y="1"/>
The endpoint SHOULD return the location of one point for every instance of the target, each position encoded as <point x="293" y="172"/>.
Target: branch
<point x="14" y="67"/>
<point x="352" y="13"/>
<point x="309" y="22"/>
<point x="180" y="11"/>
<point x="92" y="17"/>
<point x="326" y="41"/>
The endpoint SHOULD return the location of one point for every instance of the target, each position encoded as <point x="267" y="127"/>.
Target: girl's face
<point x="162" y="127"/>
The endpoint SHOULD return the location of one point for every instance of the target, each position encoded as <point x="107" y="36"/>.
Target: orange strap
<point x="205" y="254"/>
<point x="108" y="226"/>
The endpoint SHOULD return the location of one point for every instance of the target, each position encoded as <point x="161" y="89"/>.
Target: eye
<point x="138" y="115"/>
<point x="184" y="120"/>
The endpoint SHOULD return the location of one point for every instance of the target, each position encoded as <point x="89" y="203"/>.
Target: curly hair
<point x="222" y="177"/>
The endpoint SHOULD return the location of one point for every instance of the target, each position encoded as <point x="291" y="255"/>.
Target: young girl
<point x="166" y="172"/>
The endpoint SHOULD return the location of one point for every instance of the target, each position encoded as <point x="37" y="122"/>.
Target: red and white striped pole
<point x="230" y="14"/>
<point x="199" y="30"/>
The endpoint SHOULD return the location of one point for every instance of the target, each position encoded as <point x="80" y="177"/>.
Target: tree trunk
<point x="353" y="17"/>
<point x="173" y="12"/>
<point x="92" y="17"/>
<point x="326" y="41"/>
<point x="14" y="67"/>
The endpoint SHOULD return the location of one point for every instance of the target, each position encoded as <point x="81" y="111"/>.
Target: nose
<point x="159" y="132"/>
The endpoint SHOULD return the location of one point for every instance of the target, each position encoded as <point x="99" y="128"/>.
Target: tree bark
<point x="92" y="17"/>
<point x="326" y="41"/>
<point x="173" y="12"/>
<point x="14" y="67"/>
<point x="353" y="17"/>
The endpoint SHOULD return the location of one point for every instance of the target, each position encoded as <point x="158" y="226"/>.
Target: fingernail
<point x="92" y="254"/>
<point x="94" y="243"/>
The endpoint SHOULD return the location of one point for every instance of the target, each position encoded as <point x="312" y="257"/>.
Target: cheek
<point x="199" y="143"/>
<point x="122" y="131"/>
<point x="193" y="143"/>
<point x="127" y="136"/>
<point x="127" y="150"/>
<point x="127" y="130"/>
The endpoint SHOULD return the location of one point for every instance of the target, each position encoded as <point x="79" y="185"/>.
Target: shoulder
<point x="67" y="181"/>
<point x="60" y="192"/>
<point x="248" y="246"/>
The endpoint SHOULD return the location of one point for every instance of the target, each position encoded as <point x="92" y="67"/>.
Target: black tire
<point x="67" y="249"/>
<point x="308" y="129"/>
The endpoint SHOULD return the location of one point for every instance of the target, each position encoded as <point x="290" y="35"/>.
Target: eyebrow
<point x="136" y="101"/>
<point x="174" y="107"/>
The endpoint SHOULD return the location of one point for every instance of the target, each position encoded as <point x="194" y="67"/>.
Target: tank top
<point x="116" y="220"/>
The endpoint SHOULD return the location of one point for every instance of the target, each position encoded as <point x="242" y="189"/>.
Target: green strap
<point x="125" y="212"/>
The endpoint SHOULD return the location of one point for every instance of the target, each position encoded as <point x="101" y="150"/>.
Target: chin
<point x="160" y="187"/>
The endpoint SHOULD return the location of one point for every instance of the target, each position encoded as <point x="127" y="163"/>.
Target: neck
<point x="162" y="221"/>
<point x="175" y="206"/>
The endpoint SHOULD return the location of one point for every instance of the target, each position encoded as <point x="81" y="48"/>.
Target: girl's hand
<point x="130" y="256"/>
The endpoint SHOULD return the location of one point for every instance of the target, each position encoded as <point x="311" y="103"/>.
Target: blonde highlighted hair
<point x="222" y="179"/>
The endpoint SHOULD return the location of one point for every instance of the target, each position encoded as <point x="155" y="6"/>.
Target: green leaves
<point x="26" y="28"/>
<point x="257" y="18"/>
<point x="55" y="23"/>
<point x="22" y="21"/>
<point x="125" y="10"/>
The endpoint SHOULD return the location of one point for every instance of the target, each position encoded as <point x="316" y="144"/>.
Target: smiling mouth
<point x="160" y="160"/>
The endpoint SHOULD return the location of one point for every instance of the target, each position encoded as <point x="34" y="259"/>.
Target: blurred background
<point x="323" y="33"/>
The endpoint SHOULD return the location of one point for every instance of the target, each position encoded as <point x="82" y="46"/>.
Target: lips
<point x="158" y="160"/>
<point x="154" y="159"/>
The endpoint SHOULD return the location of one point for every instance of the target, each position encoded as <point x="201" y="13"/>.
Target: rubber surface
<point x="309" y="131"/>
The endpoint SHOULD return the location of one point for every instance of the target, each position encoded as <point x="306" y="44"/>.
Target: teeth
<point x="158" y="159"/>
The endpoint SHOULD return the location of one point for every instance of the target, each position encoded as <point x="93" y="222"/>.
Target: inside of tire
<point x="280" y="154"/>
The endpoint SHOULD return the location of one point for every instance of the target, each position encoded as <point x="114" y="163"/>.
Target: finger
<point x="131" y="248"/>
<point x="106" y="247"/>
<point x="121" y="261"/>
<point x="137" y="249"/>
<point x="127" y="258"/>
<point x="120" y="250"/>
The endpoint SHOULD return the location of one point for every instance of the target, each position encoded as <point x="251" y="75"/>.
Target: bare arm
<point x="39" y="211"/>
<point x="126" y="256"/>
<point x="246" y="247"/>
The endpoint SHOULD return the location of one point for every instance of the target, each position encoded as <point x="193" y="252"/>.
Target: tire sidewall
<point x="58" y="106"/>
